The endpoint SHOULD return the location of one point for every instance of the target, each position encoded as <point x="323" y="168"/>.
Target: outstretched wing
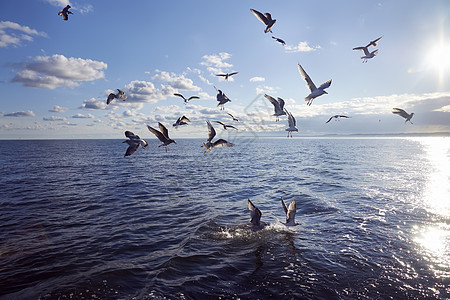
<point x="255" y="214"/>
<point x="133" y="146"/>
<point x="193" y="97"/>
<point x="329" y="119"/>
<point x="111" y="97"/>
<point x="157" y="133"/>
<point x="179" y="95"/>
<point x="211" y="131"/>
<point x="374" y="42"/>
<point x="325" y="85"/>
<point x="309" y="83"/>
<point x="222" y="143"/>
<point x="290" y="215"/>
<point x="400" y="112"/>
<point x="234" y="73"/>
<point x="184" y="119"/>
<point x="272" y="100"/>
<point x="164" y="130"/>
<point x="131" y="135"/>
<point x="260" y="16"/>
<point x="284" y="206"/>
<point x="281" y="102"/>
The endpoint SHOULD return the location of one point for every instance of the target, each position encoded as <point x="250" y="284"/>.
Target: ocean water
<point x="80" y="221"/>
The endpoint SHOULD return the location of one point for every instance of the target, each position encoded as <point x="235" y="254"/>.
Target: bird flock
<point x="134" y="141"/>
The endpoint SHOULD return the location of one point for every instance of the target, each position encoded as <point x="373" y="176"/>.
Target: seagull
<point x="181" y="121"/>
<point x="234" y="119"/>
<point x="187" y="100"/>
<point x="315" y="92"/>
<point x="211" y="134"/>
<point x="278" y="105"/>
<point x="404" y="114"/>
<point x="227" y="75"/>
<point x="279" y="41"/>
<point x="162" y="135"/>
<point x="292" y="124"/>
<point x="133" y="143"/>
<point x="65" y="13"/>
<point x="120" y="95"/>
<point x="374" y="42"/>
<point x="255" y="215"/>
<point x="336" y="117"/>
<point x="222" y="98"/>
<point x="290" y="212"/>
<point x="367" y="55"/>
<point x="225" y="126"/>
<point x="265" y="18"/>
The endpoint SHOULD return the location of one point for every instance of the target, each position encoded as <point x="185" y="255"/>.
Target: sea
<point x="78" y="220"/>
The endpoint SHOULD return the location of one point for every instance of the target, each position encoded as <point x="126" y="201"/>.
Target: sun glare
<point x="438" y="59"/>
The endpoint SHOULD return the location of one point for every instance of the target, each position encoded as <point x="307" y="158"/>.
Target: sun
<point x="438" y="57"/>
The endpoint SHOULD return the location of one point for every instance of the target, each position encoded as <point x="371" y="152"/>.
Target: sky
<point x="56" y="75"/>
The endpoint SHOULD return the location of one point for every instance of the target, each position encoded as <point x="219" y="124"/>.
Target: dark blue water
<point x="78" y="220"/>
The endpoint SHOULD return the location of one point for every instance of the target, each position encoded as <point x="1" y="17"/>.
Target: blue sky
<point x="55" y="75"/>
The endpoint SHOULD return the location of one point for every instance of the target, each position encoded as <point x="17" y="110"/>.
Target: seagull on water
<point x="186" y="100"/>
<point x="133" y="143"/>
<point x="222" y="98"/>
<point x="255" y="215"/>
<point x="279" y="41"/>
<point x="292" y="124"/>
<point x="181" y="121"/>
<point x="365" y="49"/>
<point x="227" y="75"/>
<point x="225" y="126"/>
<point x="265" y="18"/>
<point x="162" y="135"/>
<point x="65" y="13"/>
<point x="120" y="95"/>
<point x="289" y="212"/>
<point x="211" y="134"/>
<point x="315" y="92"/>
<point x="336" y="117"/>
<point x="234" y="119"/>
<point x="403" y="114"/>
<point x="278" y="105"/>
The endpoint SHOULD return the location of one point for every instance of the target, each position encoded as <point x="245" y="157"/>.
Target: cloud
<point x="59" y="3"/>
<point x="81" y="116"/>
<point x="145" y="91"/>
<point x="445" y="108"/>
<point x="257" y="79"/>
<point x="216" y="61"/>
<point x="27" y="113"/>
<point x="300" y="47"/>
<point x="176" y="81"/>
<point x="14" y="38"/>
<point x="54" y="118"/>
<point x="58" y="109"/>
<point x="83" y="9"/>
<point x="93" y="104"/>
<point x="57" y="70"/>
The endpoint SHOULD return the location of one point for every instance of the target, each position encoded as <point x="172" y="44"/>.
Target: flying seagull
<point x="162" y="135"/>
<point x="365" y="49"/>
<point x="292" y="124"/>
<point x="225" y="126"/>
<point x="187" y="100"/>
<point x="278" y="105"/>
<point x="315" y="92"/>
<point x="234" y="119"/>
<point x="403" y="114"/>
<point x="289" y="212"/>
<point x="255" y="216"/>
<point x="120" y="95"/>
<point x="265" y="18"/>
<point x="181" y="121"/>
<point x="374" y="42"/>
<point x="336" y="117"/>
<point x="65" y="13"/>
<point x="279" y="41"/>
<point x="133" y="143"/>
<point x="227" y="75"/>
<point x="222" y="98"/>
<point x="211" y="134"/>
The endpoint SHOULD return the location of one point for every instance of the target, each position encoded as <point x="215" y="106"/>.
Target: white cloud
<point x="58" y="109"/>
<point x="59" y="3"/>
<point x="257" y="79"/>
<point x="145" y="91"/>
<point x="12" y="38"/>
<point x="93" y="104"/>
<point x="54" y="118"/>
<point x="57" y="70"/>
<point x="27" y="113"/>
<point x="217" y="61"/>
<point x="300" y="47"/>
<point x="445" y="108"/>
<point x="176" y="81"/>
<point x="81" y="116"/>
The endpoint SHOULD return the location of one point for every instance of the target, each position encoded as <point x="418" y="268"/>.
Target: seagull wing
<point x="284" y="206"/>
<point x="309" y="83"/>
<point x="400" y="112"/>
<point x="290" y="215"/>
<point x="158" y="134"/>
<point x="131" y="135"/>
<point x="179" y="95"/>
<point x="193" y="97"/>
<point x="224" y="75"/>
<point x="325" y="85"/>
<point x="260" y="16"/>
<point x="329" y="119"/>
<point x="281" y="103"/>
<point x="184" y="119"/>
<point x="272" y="100"/>
<point x="374" y="42"/>
<point x="255" y="214"/>
<point x="211" y="131"/>
<point x="342" y="116"/>
<point x="164" y="130"/>
<point x="366" y="51"/>
<point x="218" y="122"/>
<point x="222" y="143"/>
<point x="231" y="126"/>
<point x="234" y="73"/>
<point x="133" y="146"/>
<point x="111" y="97"/>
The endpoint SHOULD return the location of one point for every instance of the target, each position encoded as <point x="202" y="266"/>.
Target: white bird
<point x="120" y="95"/>
<point x="289" y="212"/>
<point x="336" y="117"/>
<point x="222" y="98"/>
<point x="403" y="114"/>
<point x="255" y="215"/>
<point x="186" y="100"/>
<point x="181" y="121"/>
<point x="265" y="18"/>
<point x="315" y="92"/>
<point x="278" y="105"/>
<point x="225" y="126"/>
<point x="227" y="75"/>
<point x="211" y="134"/>
<point x="162" y="135"/>
<point x="133" y="143"/>
<point x="292" y="124"/>
<point x="65" y="13"/>
<point x="367" y="54"/>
